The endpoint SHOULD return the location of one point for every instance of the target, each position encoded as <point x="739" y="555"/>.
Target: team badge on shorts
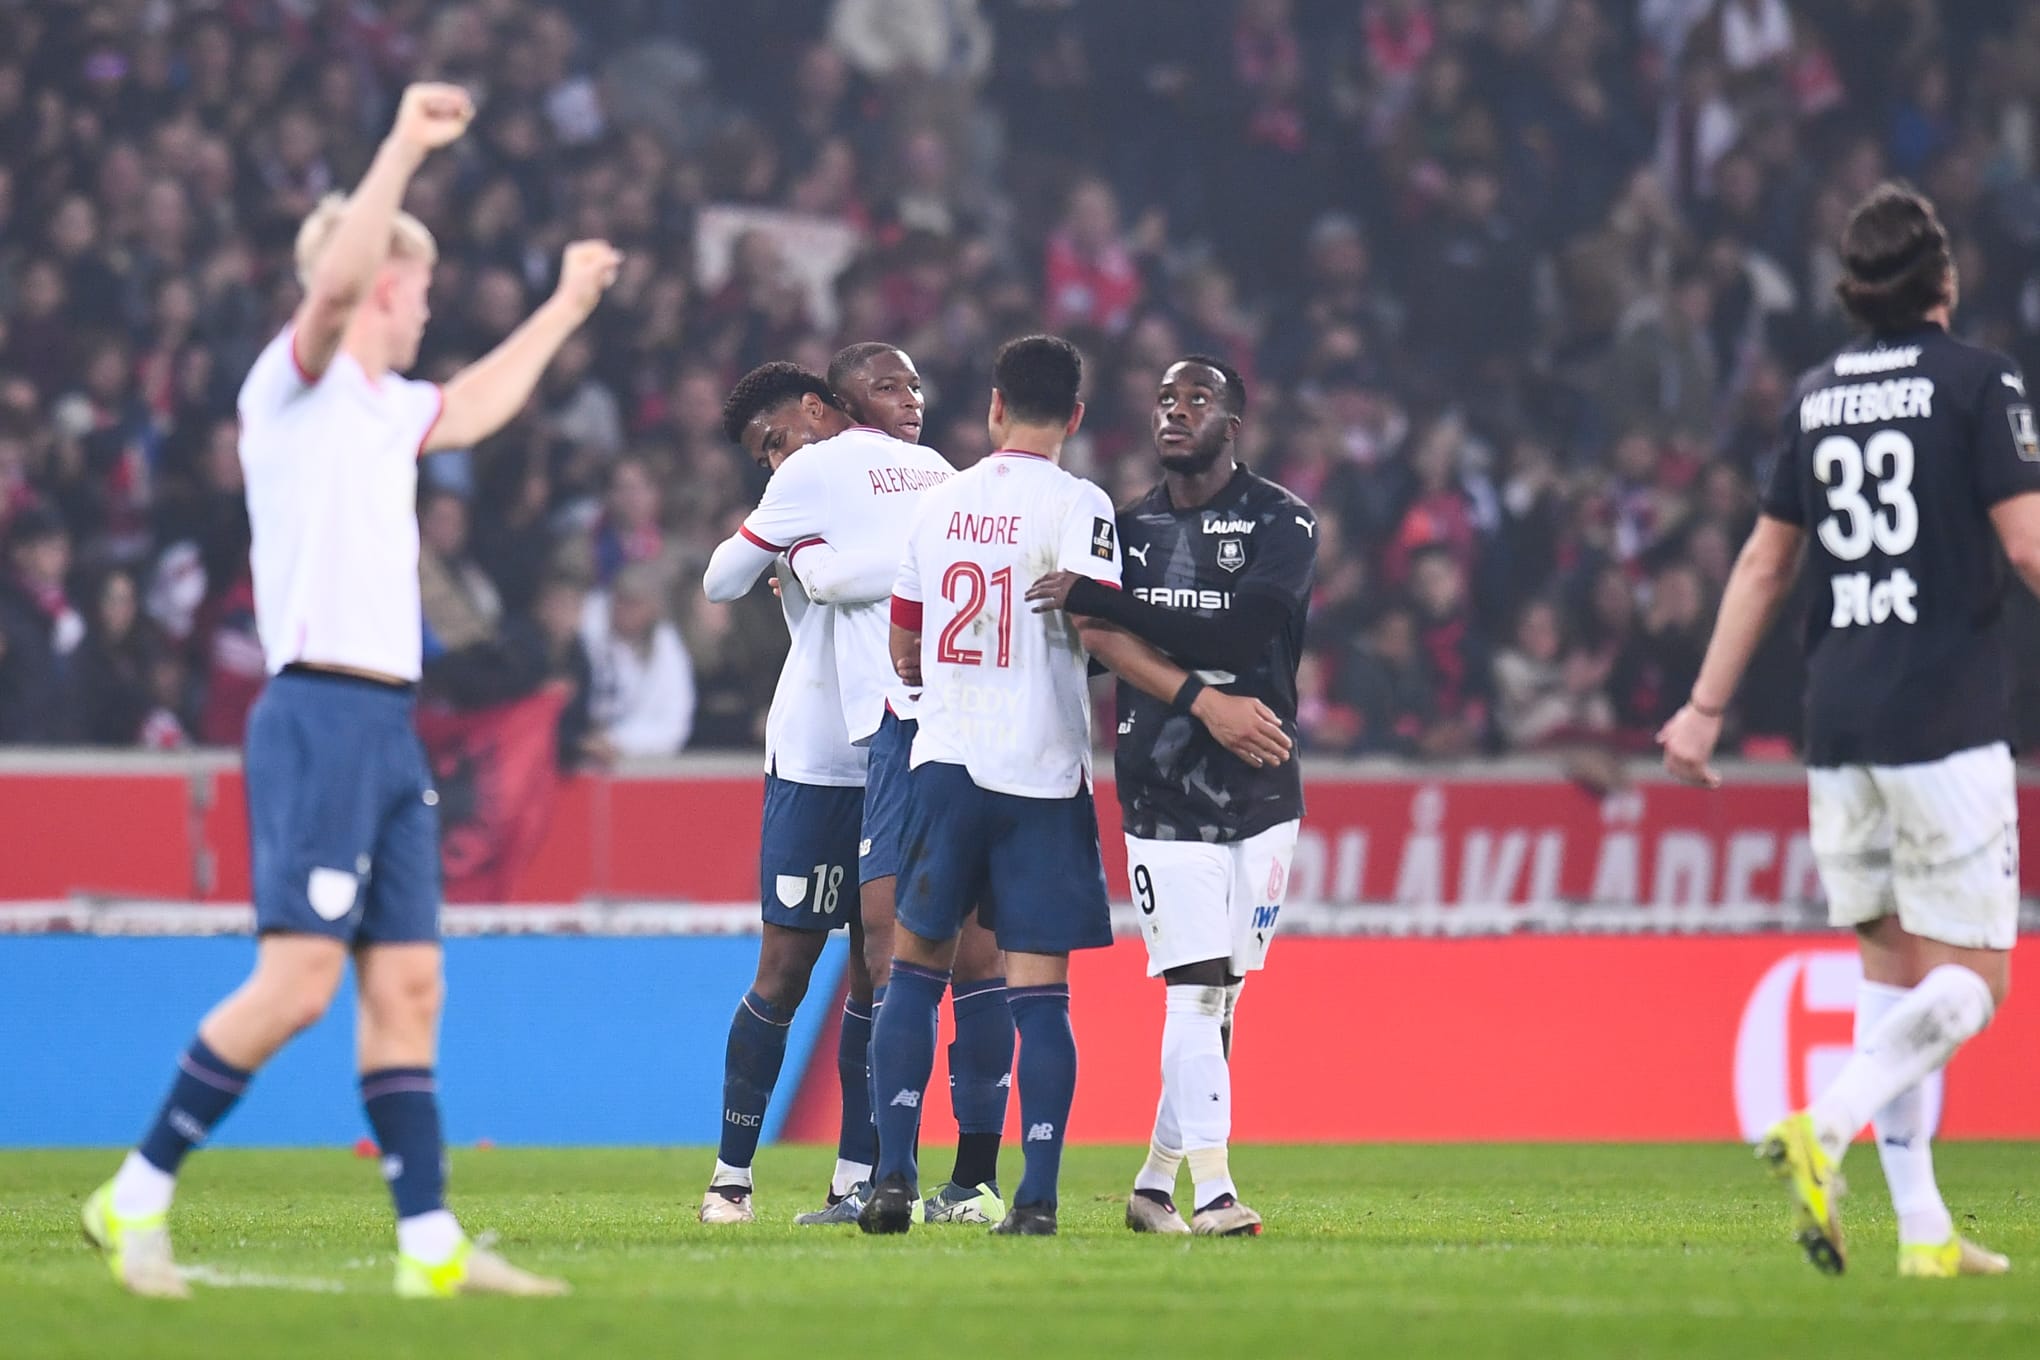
<point x="791" y="889"/>
<point x="2024" y="433"/>
<point x="1232" y="554"/>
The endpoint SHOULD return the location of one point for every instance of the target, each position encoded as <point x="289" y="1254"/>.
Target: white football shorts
<point x="1199" y="901"/>
<point x="1936" y="843"/>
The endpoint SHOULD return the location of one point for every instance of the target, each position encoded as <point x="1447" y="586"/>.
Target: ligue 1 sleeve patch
<point x="2025" y="435"/>
<point x="1101" y="537"/>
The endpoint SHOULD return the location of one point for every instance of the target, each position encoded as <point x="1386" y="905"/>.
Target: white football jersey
<point x="805" y="739"/>
<point x="332" y="473"/>
<point x="1005" y="689"/>
<point x="857" y="492"/>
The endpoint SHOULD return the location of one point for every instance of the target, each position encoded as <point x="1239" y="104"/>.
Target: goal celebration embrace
<point x="1027" y="677"/>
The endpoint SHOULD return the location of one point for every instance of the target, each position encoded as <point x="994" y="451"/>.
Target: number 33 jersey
<point x="1005" y="691"/>
<point x="1895" y="450"/>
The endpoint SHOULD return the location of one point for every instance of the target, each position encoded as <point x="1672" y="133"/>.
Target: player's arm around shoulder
<point x="344" y="266"/>
<point x="483" y="397"/>
<point x="788" y="519"/>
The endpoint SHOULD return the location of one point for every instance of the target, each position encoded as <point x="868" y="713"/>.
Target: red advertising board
<point x="1450" y="846"/>
<point x="1590" y="1038"/>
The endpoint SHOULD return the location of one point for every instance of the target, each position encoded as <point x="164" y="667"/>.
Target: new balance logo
<point x="392" y="1167"/>
<point x="1041" y="1133"/>
<point x="864" y="847"/>
<point x="910" y="1099"/>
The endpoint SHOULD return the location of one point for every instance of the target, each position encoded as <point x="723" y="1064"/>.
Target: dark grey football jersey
<point x="1253" y="547"/>
<point x="1895" y="450"/>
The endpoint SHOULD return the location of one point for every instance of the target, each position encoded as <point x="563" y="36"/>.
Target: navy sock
<point x="870" y="1066"/>
<point x="980" y="1077"/>
<point x="858" y="1141"/>
<point x="902" y="1060"/>
<point x="206" y="1088"/>
<point x="403" y="1109"/>
<point x="751" y="1064"/>
<point x="1048" y="1084"/>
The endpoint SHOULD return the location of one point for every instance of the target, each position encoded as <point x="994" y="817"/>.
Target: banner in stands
<point x="1445" y="854"/>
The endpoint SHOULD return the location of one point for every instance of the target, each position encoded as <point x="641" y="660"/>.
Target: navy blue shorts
<point x="807" y="854"/>
<point x="886" y="790"/>
<point x="342" y="817"/>
<point x="1030" y="865"/>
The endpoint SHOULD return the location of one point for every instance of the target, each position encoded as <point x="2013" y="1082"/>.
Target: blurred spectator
<point x="113" y="676"/>
<point x="544" y="647"/>
<point x="1454" y="655"/>
<point x="1092" y="276"/>
<point x="462" y="608"/>
<point x="39" y="632"/>
<point x="642" y="697"/>
<point x="1544" y="693"/>
<point x="1382" y="683"/>
<point x="1522" y="285"/>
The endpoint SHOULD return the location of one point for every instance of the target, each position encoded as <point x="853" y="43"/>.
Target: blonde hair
<point x="409" y="238"/>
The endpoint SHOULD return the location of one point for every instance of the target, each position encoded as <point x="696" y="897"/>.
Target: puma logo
<point x="1141" y="552"/>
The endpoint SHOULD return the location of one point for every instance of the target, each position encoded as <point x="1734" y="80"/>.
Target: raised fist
<point x="586" y="271"/>
<point x="432" y="115"/>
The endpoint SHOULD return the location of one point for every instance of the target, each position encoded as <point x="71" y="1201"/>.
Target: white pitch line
<point x="217" y="1277"/>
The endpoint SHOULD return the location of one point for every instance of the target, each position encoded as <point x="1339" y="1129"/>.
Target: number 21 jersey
<point x="1005" y="690"/>
<point x="1895" y="450"/>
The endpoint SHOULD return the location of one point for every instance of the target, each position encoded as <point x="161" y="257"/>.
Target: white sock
<point x="1904" y="1145"/>
<point x="1917" y="1036"/>
<point x="1199" y="1083"/>
<point x="725" y="1174"/>
<point x="1158" y="1172"/>
<point x="1165" y="1149"/>
<point x="141" y="1188"/>
<point x="847" y="1176"/>
<point x="429" y="1237"/>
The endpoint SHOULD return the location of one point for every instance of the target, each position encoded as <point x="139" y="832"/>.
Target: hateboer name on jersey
<point x="1868" y="403"/>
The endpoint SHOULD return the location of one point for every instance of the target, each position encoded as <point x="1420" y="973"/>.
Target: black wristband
<point x="1187" y="695"/>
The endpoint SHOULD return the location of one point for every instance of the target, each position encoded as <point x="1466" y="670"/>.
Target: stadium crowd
<point x="1519" y="288"/>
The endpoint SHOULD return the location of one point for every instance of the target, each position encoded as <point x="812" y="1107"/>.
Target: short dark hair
<point x="1234" y="397"/>
<point x="1039" y="376"/>
<point x="850" y="358"/>
<point x="1896" y="257"/>
<point x="767" y="386"/>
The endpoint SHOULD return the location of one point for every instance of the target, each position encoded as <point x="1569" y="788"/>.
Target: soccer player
<point x="839" y="494"/>
<point x="1218" y="574"/>
<point x="1908" y="458"/>
<point x="342" y="815"/>
<point x="881" y="388"/>
<point x="1000" y="814"/>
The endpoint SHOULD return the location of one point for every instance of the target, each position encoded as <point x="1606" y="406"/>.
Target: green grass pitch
<point x="1389" y="1251"/>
